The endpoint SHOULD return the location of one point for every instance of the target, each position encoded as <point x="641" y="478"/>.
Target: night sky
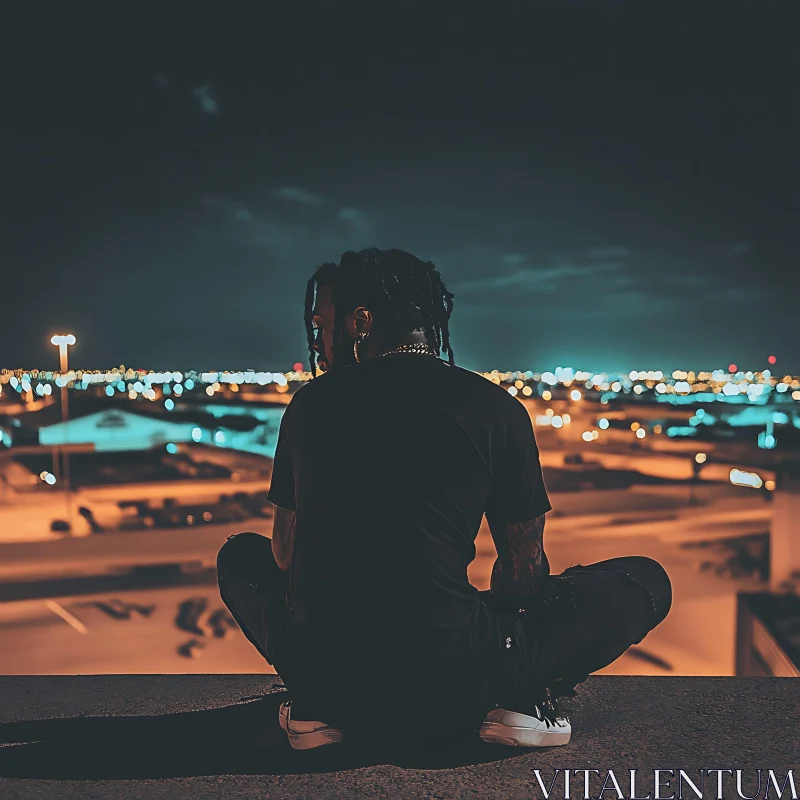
<point x="605" y="185"/>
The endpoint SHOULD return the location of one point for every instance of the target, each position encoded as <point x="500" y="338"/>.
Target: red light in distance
<point x="772" y="359"/>
<point x="731" y="367"/>
<point x="298" y="367"/>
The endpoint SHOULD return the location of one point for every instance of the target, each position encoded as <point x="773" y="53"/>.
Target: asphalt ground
<point x="217" y="736"/>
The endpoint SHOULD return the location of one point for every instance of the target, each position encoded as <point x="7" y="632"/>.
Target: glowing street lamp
<point x="62" y="341"/>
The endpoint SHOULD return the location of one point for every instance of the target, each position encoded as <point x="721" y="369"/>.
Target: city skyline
<point x="591" y="193"/>
<point x="769" y="368"/>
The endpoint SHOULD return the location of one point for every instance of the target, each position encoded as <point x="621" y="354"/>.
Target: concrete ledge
<point x="166" y="736"/>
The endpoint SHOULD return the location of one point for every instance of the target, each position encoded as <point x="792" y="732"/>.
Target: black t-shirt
<point x="390" y="465"/>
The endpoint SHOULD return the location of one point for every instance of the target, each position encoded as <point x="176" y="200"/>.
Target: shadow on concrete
<point x="241" y="739"/>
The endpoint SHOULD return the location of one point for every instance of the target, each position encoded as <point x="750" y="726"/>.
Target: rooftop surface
<point x="214" y="736"/>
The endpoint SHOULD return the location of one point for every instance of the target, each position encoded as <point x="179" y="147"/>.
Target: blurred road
<point x="698" y="636"/>
<point x="122" y="632"/>
<point x="115" y="550"/>
<point x="139" y="631"/>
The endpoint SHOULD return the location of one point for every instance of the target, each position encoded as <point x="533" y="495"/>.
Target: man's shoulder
<point x="307" y="391"/>
<point x="485" y="388"/>
<point x="468" y="385"/>
<point x="315" y="390"/>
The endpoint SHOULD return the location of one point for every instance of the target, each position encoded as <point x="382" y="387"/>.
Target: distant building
<point x="116" y="429"/>
<point x="768" y="635"/>
<point x="768" y="624"/>
<point x="785" y="527"/>
<point x="110" y="425"/>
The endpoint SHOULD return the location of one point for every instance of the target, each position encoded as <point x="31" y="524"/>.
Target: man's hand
<point x="283" y="526"/>
<point x="521" y="563"/>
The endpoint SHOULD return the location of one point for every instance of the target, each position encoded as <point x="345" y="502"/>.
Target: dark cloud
<point x="608" y="251"/>
<point x="590" y="192"/>
<point x="206" y="99"/>
<point x="299" y="195"/>
<point x="532" y="279"/>
<point x="361" y="225"/>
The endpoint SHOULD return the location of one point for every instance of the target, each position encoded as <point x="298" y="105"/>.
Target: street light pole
<point x="63" y="341"/>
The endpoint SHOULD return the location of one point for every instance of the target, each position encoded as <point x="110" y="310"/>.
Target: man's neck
<point x="380" y="346"/>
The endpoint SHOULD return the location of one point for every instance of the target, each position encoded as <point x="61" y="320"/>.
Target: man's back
<point x="390" y="465"/>
<point x="385" y="466"/>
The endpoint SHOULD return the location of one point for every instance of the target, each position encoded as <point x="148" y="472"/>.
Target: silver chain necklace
<point x="419" y="348"/>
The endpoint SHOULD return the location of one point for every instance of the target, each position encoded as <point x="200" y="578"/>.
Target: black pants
<point x="581" y="620"/>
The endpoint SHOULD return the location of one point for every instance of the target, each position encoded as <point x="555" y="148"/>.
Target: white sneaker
<point x="520" y="730"/>
<point x="306" y="734"/>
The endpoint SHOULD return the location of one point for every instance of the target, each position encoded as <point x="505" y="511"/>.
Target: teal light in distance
<point x="169" y="404"/>
<point x="189" y="384"/>
<point x="681" y="430"/>
<point x="602" y="424"/>
<point x="766" y="441"/>
<point x="172" y="448"/>
<point x="110" y="391"/>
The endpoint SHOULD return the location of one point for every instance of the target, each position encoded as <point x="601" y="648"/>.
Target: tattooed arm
<point x="521" y="561"/>
<point x="517" y="492"/>
<point x="283" y="527"/>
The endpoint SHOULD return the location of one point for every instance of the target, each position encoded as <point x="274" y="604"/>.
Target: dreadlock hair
<point x="404" y="293"/>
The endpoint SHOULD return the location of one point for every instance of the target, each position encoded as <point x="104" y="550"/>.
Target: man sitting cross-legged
<point x="386" y="463"/>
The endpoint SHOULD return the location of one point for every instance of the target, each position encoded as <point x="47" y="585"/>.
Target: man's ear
<point x="361" y="322"/>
